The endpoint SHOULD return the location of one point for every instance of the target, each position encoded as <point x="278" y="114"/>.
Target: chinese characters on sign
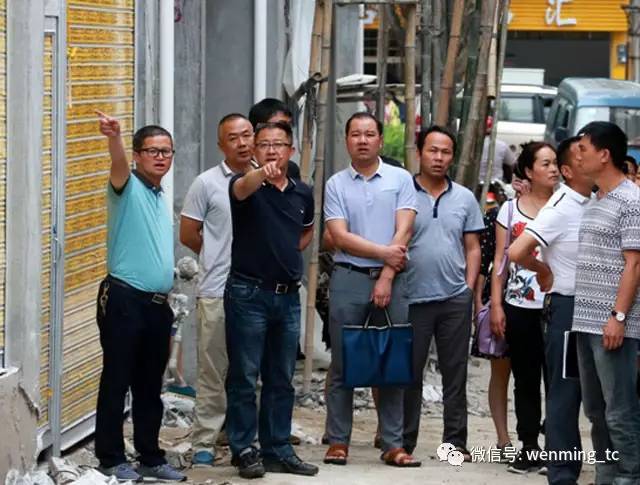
<point x="553" y="14"/>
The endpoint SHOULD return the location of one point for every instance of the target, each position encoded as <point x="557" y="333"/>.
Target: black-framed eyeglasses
<point x="154" y="152"/>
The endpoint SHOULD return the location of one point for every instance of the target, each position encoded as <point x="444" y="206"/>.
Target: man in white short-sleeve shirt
<point x="555" y="230"/>
<point x="205" y="228"/>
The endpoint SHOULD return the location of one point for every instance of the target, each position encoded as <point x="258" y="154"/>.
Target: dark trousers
<point x="563" y="396"/>
<point x="262" y="331"/>
<point x="449" y="321"/>
<point x="526" y="350"/>
<point x="134" y="335"/>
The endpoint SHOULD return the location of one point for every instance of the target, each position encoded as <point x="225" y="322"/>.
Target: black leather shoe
<point x="291" y="464"/>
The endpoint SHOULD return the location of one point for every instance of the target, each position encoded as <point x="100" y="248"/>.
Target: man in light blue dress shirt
<point x="369" y="209"/>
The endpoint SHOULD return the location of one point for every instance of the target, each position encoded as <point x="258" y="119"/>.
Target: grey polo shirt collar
<point x="378" y="173"/>
<point x="437" y="201"/>
<point x="226" y="170"/>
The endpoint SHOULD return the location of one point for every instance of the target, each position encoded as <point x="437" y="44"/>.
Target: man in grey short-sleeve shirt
<point x="443" y="266"/>
<point x="205" y="228"/>
<point x="607" y="312"/>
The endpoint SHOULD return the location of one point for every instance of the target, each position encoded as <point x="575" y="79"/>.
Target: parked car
<point x="523" y="112"/>
<point x="581" y="100"/>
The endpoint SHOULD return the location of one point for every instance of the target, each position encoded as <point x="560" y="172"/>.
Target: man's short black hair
<point x="563" y="152"/>
<point x="630" y="165"/>
<point x="606" y="135"/>
<point x="286" y="127"/>
<point x="148" y="131"/>
<point x="263" y="110"/>
<point x="363" y="115"/>
<point x="424" y="133"/>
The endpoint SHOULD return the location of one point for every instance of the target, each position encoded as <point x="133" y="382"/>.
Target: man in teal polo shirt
<point x="133" y="315"/>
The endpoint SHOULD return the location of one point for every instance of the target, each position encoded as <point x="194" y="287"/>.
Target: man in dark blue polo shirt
<point x="133" y="315"/>
<point x="272" y="223"/>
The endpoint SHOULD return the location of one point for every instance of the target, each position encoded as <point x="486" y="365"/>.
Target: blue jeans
<point x="563" y="396"/>
<point x="263" y="330"/>
<point x="608" y="380"/>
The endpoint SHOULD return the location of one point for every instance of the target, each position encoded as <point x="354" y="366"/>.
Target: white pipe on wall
<point x="166" y="84"/>
<point x="259" y="50"/>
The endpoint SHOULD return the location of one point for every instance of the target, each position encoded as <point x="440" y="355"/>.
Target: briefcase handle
<point x="372" y="308"/>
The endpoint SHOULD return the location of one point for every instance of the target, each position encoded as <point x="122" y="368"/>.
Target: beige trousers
<point x="211" y="399"/>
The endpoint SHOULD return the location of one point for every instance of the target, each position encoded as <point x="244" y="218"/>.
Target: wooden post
<point x="447" y="86"/>
<point x="477" y="98"/>
<point x="381" y="68"/>
<point x="425" y="74"/>
<point x="318" y="184"/>
<point x="314" y="67"/>
<point x="502" y="48"/>
<point x="410" y="89"/>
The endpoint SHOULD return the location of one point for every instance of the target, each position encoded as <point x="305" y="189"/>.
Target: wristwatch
<point x="619" y="316"/>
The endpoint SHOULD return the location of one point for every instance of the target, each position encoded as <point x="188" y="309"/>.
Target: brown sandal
<point x="337" y="454"/>
<point x="400" y="458"/>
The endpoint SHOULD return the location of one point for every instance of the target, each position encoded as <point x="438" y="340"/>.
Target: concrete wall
<point x="229" y="67"/>
<point x="18" y="423"/>
<point x="19" y="389"/>
<point x="188" y="105"/>
<point x="347" y="59"/>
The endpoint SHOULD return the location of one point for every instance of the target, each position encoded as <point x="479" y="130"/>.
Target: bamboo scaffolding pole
<point x="318" y="184"/>
<point x="436" y="28"/>
<point x="381" y="68"/>
<point x="447" y="84"/>
<point x="410" y="89"/>
<point x="472" y="32"/>
<point x="502" y="48"/>
<point x="314" y="67"/>
<point x="425" y="61"/>
<point x="465" y="167"/>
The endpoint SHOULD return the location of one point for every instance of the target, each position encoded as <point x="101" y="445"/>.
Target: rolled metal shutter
<point x="47" y="219"/>
<point x="3" y="163"/>
<point x="100" y="43"/>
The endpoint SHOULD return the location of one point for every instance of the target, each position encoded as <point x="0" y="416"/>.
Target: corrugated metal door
<point x="47" y="221"/>
<point x="3" y="163"/>
<point x="100" y="40"/>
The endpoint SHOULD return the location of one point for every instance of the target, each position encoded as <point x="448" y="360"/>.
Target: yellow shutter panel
<point x="100" y="37"/>
<point x="46" y="219"/>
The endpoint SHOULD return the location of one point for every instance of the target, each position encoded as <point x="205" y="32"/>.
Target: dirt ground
<point x="365" y="467"/>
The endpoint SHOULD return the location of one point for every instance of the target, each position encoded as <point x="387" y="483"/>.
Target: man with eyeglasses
<point x="272" y="223"/>
<point x="133" y="315"/>
<point x="205" y="228"/>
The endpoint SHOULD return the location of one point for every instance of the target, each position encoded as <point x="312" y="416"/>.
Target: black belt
<point x="278" y="287"/>
<point x="158" y="298"/>
<point x="373" y="271"/>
